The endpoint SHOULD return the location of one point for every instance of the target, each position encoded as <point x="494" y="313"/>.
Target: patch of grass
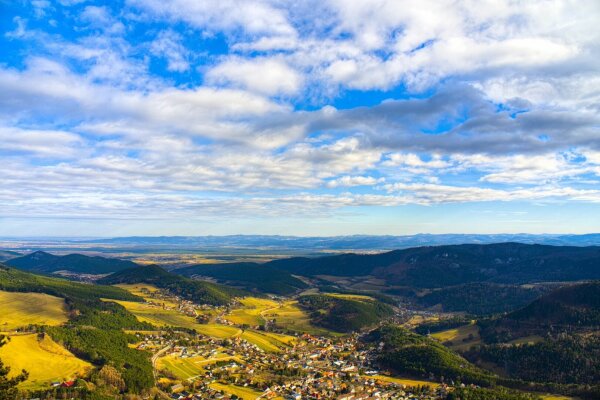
<point x="22" y="309"/>
<point x="217" y="331"/>
<point x="240" y="391"/>
<point x="45" y="360"/>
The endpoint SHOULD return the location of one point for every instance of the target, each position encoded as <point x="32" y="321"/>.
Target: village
<point x="190" y="365"/>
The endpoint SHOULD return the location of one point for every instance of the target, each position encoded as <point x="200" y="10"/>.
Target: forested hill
<point x="196" y="291"/>
<point x="573" y="308"/>
<point x="442" y="266"/>
<point x="47" y="263"/>
<point x="250" y="276"/>
<point x="577" y="305"/>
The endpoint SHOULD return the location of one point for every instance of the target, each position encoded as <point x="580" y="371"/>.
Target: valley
<point x="177" y="333"/>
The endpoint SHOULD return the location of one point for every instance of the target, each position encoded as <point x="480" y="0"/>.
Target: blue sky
<point x="146" y="117"/>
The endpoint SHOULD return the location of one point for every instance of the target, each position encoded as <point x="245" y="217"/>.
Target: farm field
<point x="45" y="360"/>
<point x="22" y="309"/>
<point x="143" y="290"/>
<point x="251" y="312"/>
<point x="186" y="368"/>
<point x="457" y="335"/>
<point x="240" y="391"/>
<point x="290" y="316"/>
<point x="402" y="381"/>
<point x="267" y="341"/>
<point x="159" y="317"/>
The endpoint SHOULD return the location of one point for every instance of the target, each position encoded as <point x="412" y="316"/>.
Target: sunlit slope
<point x="45" y="360"/>
<point x="22" y="309"/>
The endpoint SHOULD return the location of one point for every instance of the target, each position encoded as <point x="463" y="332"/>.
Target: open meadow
<point x="45" y="360"/>
<point x="187" y="368"/>
<point x="460" y="338"/>
<point x="22" y="309"/>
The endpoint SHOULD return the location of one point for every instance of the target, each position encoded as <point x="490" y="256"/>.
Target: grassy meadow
<point x="45" y="360"/>
<point x="457" y="335"/>
<point x="21" y="309"/>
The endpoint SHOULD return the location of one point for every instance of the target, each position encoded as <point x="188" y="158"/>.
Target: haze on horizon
<point x="144" y="117"/>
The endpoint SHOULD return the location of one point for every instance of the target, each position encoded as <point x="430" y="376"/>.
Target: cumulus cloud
<point x="267" y="76"/>
<point x="280" y="107"/>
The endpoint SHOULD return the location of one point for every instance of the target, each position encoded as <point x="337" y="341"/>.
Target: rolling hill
<point x="250" y="276"/>
<point x="47" y="263"/>
<point x="344" y="313"/>
<point x="190" y="289"/>
<point x="568" y="309"/>
<point x="441" y="266"/>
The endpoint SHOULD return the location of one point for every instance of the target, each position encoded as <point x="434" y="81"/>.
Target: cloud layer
<point x="221" y="109"/>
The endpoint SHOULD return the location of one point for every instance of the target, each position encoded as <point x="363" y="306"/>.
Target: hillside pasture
<point x="251" y="311"/>
<point x="291" y="317"/>
<point x="459" y="338"/>
<point x="45" y="360"/>
<point x="22" y="309"/>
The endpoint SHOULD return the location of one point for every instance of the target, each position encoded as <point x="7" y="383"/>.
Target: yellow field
<point x="267" y="341"/>
<point x="187" y="368"/>
<point x="251" y="311"/>
<point x="457" y="335"/>
<point x="291" y="316"/>
<point x="402" y="381"/>
<point x="351" y="296"/>
<point x="22" y="309"/>
<point x="158" y="316"/>
<point x="142" y="289"/>
<point x="240" y="391"/>
<point x="218" y="331"/>
<point x="555" y="397"/>
<point x="45" y="360"/>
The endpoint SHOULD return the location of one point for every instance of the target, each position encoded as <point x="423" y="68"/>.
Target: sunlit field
<point x="403" y="381"/>
<point x="240" y="391"/>
<point x="22" y="309"/>
<point x="459" y="337"/>
<point x="45" y="360"/>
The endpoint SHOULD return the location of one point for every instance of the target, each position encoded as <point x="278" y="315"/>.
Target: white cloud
<point x="266" y="76"/>
<point x="168" y="45"/>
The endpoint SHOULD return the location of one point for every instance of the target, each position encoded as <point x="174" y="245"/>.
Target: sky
<point x="328" y="117"/>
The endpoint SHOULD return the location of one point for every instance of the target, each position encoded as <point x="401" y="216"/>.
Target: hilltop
<point x="47" y="263"/>
<point x="250" y="276"/>
<point x="190" y="289"/>
<point x="440" y="266"/>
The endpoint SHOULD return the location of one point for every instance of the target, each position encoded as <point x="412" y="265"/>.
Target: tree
<point x="8" y="386"/>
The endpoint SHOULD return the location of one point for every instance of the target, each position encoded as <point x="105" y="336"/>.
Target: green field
<point x="45" y="360"/>
<point x="22" y="309"/>
<point x="240" y="391"/>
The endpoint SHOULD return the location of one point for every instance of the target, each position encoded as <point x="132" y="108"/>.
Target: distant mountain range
<point x="354" y="242"/>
